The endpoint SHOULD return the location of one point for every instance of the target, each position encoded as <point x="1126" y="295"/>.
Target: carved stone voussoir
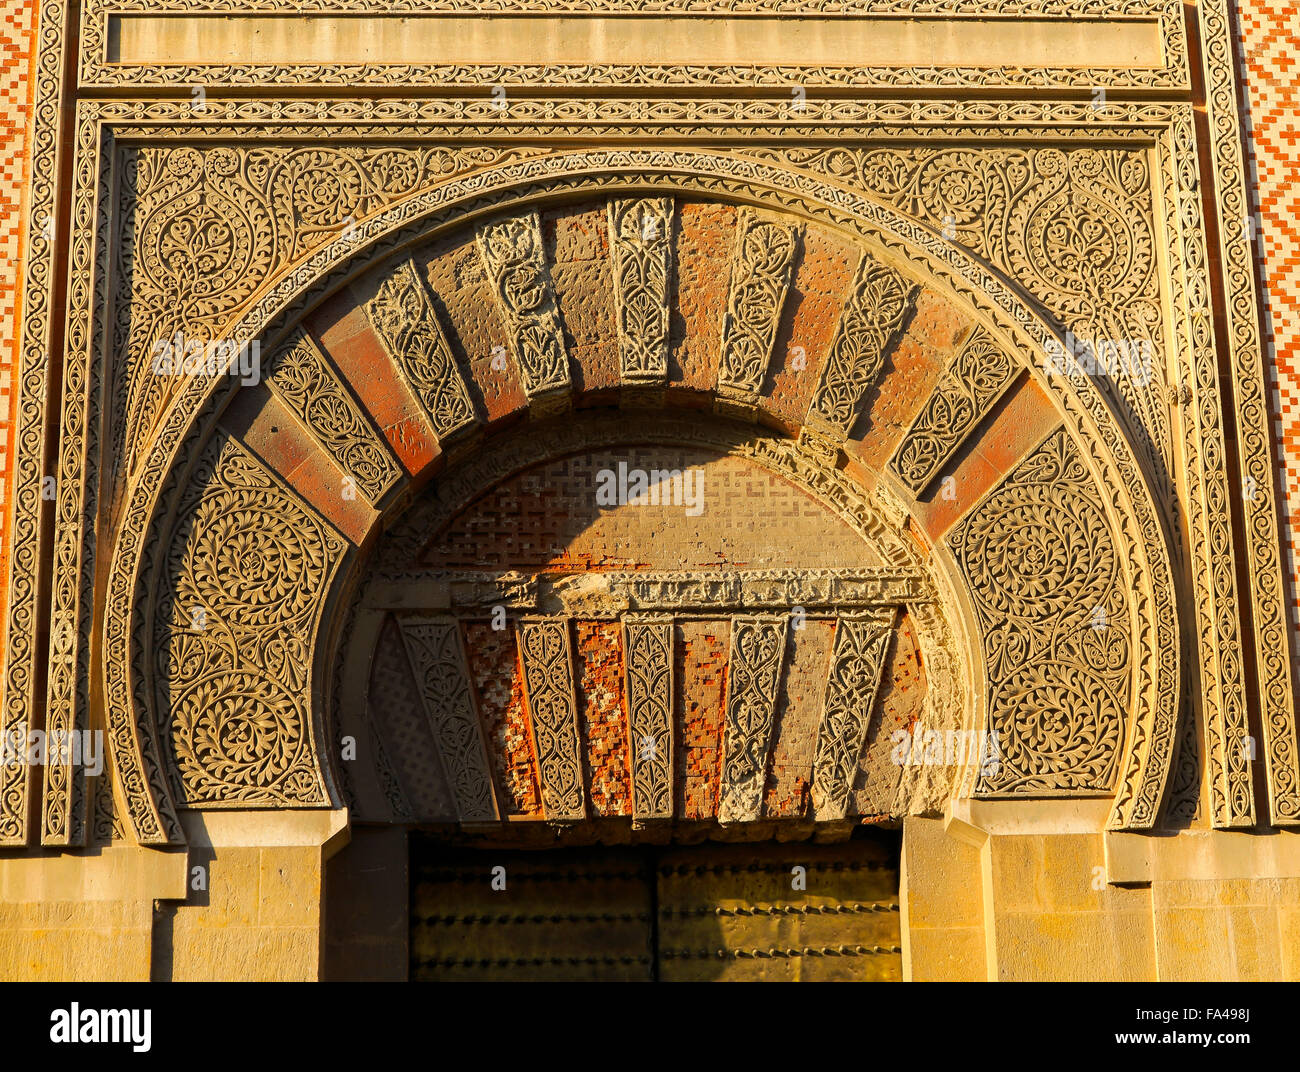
<point x="544" y="650"/>
<point x="754" y="672"/>
<point x="648" y="658"/>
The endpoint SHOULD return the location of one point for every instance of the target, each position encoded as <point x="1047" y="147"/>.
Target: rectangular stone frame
<point x="1165" y="130"/>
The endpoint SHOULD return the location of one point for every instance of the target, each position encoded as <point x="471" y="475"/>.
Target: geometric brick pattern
<point x="1267" y="54"/>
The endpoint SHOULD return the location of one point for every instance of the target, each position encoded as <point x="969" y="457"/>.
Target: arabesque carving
<point x="405" y="320"/>
<point x="303" y="380"/>
<point x="979" y="375"/>
<point x="757" y="656"/>
<point x="548" y="683"/>
<point x="640" y="242"/>
<point x="648" y="657"/>
<point x="1051" y="595"/>
<point x="246" y="578"/>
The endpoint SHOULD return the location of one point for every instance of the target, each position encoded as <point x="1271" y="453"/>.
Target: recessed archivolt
<point x="898" y="245"/>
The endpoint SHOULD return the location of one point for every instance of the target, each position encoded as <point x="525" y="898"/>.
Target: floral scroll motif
<point x="515" y="261"/>
<point x="548" y="685"/>
<point x="301" y="378"/>
<point x="760" y="276"/>
<point x="979" y="375"/>
<point x="648" y="652"/>
<point x="1072" y="227"/>
<point x="872" y="316"/>
<point x="1051" y="596"/>
<point x="640" y="233"/>
<point x="247" y="574"/>
<point x="757" y="656"/>
<point x="206" y="229"/>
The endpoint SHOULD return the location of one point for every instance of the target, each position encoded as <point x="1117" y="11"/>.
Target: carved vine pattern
<point x="548" y="686"/>
<point x="1141" y="790"/>
<point x="1051" y="596"/>
<point x="300" y="377"/>
<point x="760" y="276"/>
<point x="648" y="654"/>
<point x="979" y="375"/>
<point x="247" y="574"/>
<point x="757" y="656"/>
<point x="640" y="233"/>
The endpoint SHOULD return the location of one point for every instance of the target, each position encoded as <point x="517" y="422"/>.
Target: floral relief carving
<point x="437" y="655"/>
<point x="1074" y="227"/>
<point x="872" y="316"/>
<point x="979" y="375"/>
<point x="640" y="234"/>
<point x="853" y="678"/>
<point x="301" y="378"/>
<point x="1051" y="596"/>
<point x="760" y="276"/>
<point x="648" y="654"/>
<point x="753" y="673"/>
<point x="515" y="261"/>
<point x="246" y="577"/>
<point x="405" y="320"/>
<point x="207" y="228"/>
<point x="548" y="685"/>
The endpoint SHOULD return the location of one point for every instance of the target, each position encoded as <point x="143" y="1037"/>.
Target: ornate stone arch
<point x="1092" y="448"/>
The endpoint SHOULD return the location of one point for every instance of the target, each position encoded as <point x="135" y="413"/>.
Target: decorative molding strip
<point x="548" y="686"/>
<point x="648" y="658"/>
<point x="753" y="673"/>
<point x="515" y="260"/>
<point x="407" y="324"/>
<point x="610" y="594"/>
<point x="81" y="418"/>
<point x="1268" y="602"/>
<point x="1051" y="595"/>
<point x="869" y="320"/>
<point x="21" y="631"/>
<point x="977" y="378"/>
<point x="304" y="381"/>
<point x="1220" y="693"/>
<point x="437" y="654"/>
<point x="853" y="678"/>
<point x="641" y="245"/>
<point x="761" y="266"/>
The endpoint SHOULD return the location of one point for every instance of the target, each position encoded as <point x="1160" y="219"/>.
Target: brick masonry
<point x="1268" y="44"/>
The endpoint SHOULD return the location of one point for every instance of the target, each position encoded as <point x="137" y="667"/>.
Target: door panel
<point x="724" y="912"/>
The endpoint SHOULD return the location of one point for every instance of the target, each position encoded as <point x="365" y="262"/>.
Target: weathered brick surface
<point x="259" y="420"/>
<point x="468" y="312"/>
<point x="800" y="698"/>
<point x="820" y="282"/>
<point x="1017" y="424"/>
<point x="499" y="679"/>
<point x="703" y="241"/>
<point x="577" y="248"/>
<point x="1267" y="50"/>
<point x="700" y="658"/>
<point x="598" y="658"/>
<point x="347" y="339"/>
<point x="548" y="517"/>
<point x="911" y="370"/>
